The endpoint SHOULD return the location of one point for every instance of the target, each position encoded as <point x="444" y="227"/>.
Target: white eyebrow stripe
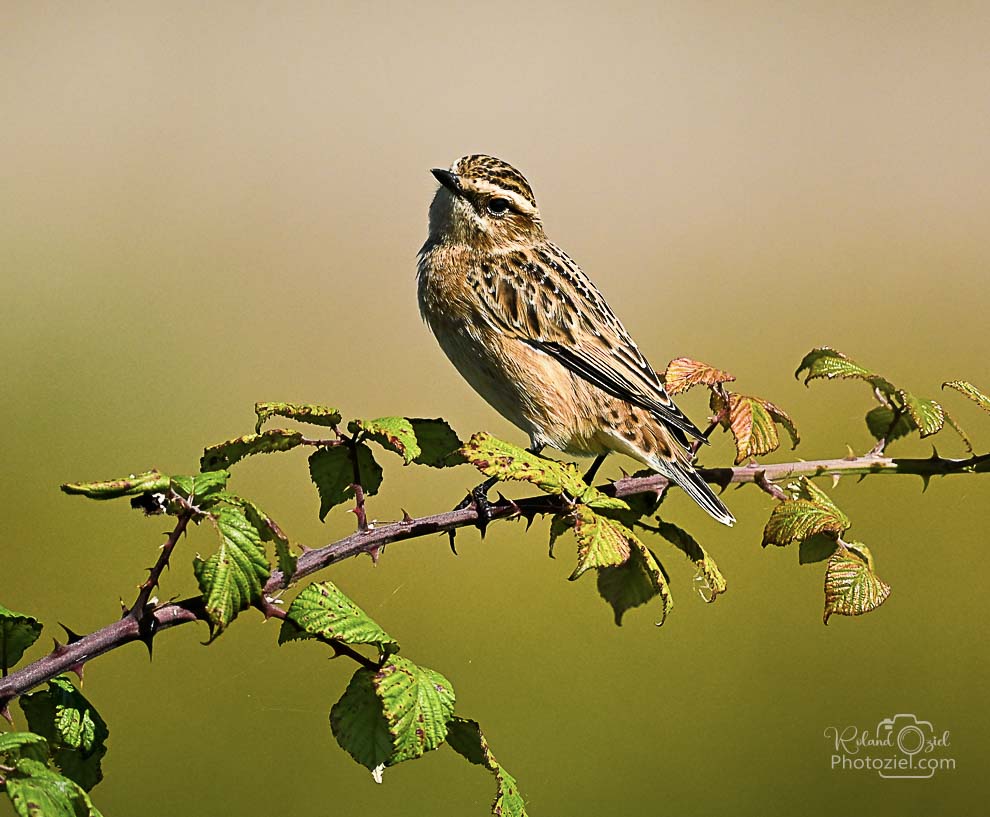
<point x="486" y="187"/>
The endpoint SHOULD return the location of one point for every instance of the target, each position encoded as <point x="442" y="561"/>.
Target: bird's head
<point x="484" y="202"/>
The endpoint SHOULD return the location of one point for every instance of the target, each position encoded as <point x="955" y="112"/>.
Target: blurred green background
<point x="208" y="205"/>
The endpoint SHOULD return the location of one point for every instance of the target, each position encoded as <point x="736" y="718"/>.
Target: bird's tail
<point x="694" y="486"/>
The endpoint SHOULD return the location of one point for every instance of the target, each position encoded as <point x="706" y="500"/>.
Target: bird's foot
<point x="589" y="475"/>
<point x="478" y="497"/>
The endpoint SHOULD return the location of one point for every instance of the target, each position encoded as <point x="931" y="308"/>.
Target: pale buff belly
<point x="532" y="390"/>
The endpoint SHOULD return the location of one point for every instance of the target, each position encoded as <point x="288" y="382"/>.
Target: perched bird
<point x="529" y="331"/>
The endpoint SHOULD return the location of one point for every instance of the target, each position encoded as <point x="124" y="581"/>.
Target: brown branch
<point x="129" y="629"/>
<point x="137" y="610"/>
<point x="356" y="486"/>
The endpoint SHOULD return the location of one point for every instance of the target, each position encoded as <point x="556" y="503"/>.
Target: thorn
<point x="58" y="649"/>
<point x="516" y="510"/>
<point x="935" y="455"/>
<point x="5" y="711"/>
<point x="452" y="533"/>
<point x="72" y="636"/>
<point x="148" y="629"/>
<point x="835" y="479"/>
<point x="406" y="518"/>
<point x="78" y="670"/>
<point x="850" y="454"/>
<point x="925" y="478"/>
<point x="123" y="608"/>
<point x="374" y="551"/>
<point x="304" y="548"/>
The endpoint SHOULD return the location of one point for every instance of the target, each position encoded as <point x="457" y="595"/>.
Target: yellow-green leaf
<point x="465" y="737"/>
<point x="967" y="389"/>
<point x="602" y="542"/>
<point x="394" y="433"/>
<point x="149" y="481"/>
<point x="851" y="586"/>
<point x="799" y="519"/>
<point x="496" y="458"/>
<point x="926" y="414"/>
<point x="827" y="363"/>
<point x="322" y="610"/>
<point x="301" y="412"/>
<point x="636" y="582"/>
<point x="711" y="582"/>
<point x="225" y="454"/>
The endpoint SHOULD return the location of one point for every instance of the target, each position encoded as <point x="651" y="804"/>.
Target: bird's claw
<point x="478" y="497"/>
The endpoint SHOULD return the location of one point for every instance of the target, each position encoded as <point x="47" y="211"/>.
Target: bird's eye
<point x="498" y="206"/>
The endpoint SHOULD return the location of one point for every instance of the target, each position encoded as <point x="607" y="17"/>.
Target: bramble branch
<point x="142" y="622"/>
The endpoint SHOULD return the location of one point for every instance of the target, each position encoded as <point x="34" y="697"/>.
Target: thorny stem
<point x="139" y="607"/>
<point x="129" y="629"/>
<point x="696" y="445"/>
<point x="359" y="512"/>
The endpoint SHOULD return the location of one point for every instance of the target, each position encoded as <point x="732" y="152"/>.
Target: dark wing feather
<point x="544" y="299"/>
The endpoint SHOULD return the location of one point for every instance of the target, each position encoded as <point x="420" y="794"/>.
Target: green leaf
<point x="14" y="745"/>
<point x="927" y="415"/>
<point x="799" y="519"/>
<point x="37" y="791"/>
<point x="636" y="582"/>
<point x="269" y="531"/>
<point x="851" y="586"/>
<point x="827" y="363"/>
<point x="806" y="489"/>
<point x="17" y="632"/>
<point x="959" y="430"/>
<point x="321" y="609"/>
<point x="969" y="390"/>
<point x="201" y="490"/>
<point x="816" y="548"/>
<point x="496" y="458"/>
<point x="466" y="738"/>
<point x="74" y="729"/>
<point x="301" y="412"/>
<point x="602" y="542"/>
<point x="559" y="525"/>
<point x="358" y="722"/>
<point x="394" y="433"/>
<point x="225" y="454"/>
<point x="683" y="373"/>
<point x="711" y="582"/>
<point x="880" y="422"/>
<point x="333" y="474"/>
<point x="439" y="446"/>
<point x="417" y="703"/>
<point x="135" y="484"/>
<point x="752" y="422"/>
<point x="231" y="579"/>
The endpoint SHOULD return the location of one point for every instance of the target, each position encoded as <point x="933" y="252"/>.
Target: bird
<point x="532" y="334"/>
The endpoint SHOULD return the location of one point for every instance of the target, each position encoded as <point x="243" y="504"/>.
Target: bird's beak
<point x="448" y="180"/>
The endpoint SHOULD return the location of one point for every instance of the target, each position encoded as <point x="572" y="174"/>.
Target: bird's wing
<point x="544" y="299"/>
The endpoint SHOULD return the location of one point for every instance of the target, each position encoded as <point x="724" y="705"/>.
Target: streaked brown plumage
<point x="530" y="332"/>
